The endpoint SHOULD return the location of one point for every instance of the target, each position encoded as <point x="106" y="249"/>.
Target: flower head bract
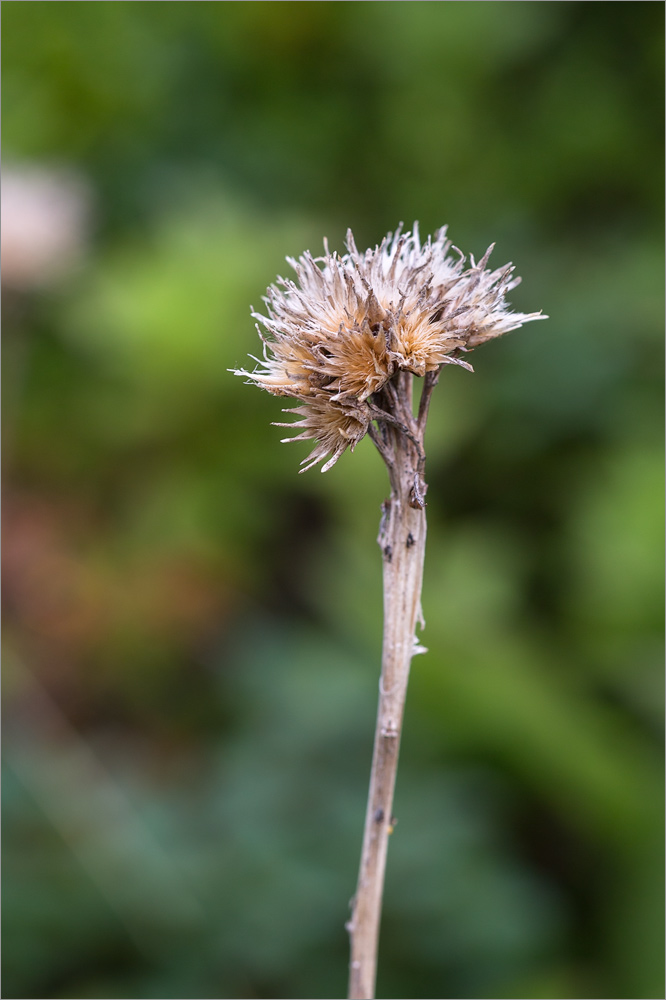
<point x="334" y="337"/>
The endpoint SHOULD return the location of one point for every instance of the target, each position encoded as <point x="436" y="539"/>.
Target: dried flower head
<point x="337" y="335"/>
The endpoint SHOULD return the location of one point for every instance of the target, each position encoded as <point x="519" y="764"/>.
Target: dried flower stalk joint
<point x="345" y="342"/>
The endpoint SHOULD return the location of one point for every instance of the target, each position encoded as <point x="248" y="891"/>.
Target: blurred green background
<point x="192" y="630"/>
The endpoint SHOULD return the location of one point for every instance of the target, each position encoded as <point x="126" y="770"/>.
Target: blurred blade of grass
<point x="97" y="821"/>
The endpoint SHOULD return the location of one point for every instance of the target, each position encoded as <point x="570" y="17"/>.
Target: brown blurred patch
<point x="89" y="621"/>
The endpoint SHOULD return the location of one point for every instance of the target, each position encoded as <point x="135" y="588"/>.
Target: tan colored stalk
<point x="402" y="537"/>
<point x="345" y="342"/>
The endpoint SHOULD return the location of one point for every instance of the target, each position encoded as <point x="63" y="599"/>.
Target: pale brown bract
<point x="334" y="337"/>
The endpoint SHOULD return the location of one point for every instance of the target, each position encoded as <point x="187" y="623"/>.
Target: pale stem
<point x="402" y="537"/>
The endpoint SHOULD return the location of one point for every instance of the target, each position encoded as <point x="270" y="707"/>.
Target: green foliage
<point x="192" y="630"/>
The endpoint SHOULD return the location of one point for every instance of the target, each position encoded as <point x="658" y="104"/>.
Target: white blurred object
<point x="45" y="217"/>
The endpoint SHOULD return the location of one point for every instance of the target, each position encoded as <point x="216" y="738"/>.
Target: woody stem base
<point x="402" y="539"/>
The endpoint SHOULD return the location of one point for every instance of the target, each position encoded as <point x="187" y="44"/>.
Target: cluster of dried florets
<point x="336" y="337"/>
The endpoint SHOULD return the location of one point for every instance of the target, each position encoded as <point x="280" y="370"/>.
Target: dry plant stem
<point x="344" y="342"/>
<point x="402" y="537"/>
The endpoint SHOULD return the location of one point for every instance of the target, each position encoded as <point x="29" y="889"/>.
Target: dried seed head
<point x="334" y="426"/>
<point x="338" y="334"/>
